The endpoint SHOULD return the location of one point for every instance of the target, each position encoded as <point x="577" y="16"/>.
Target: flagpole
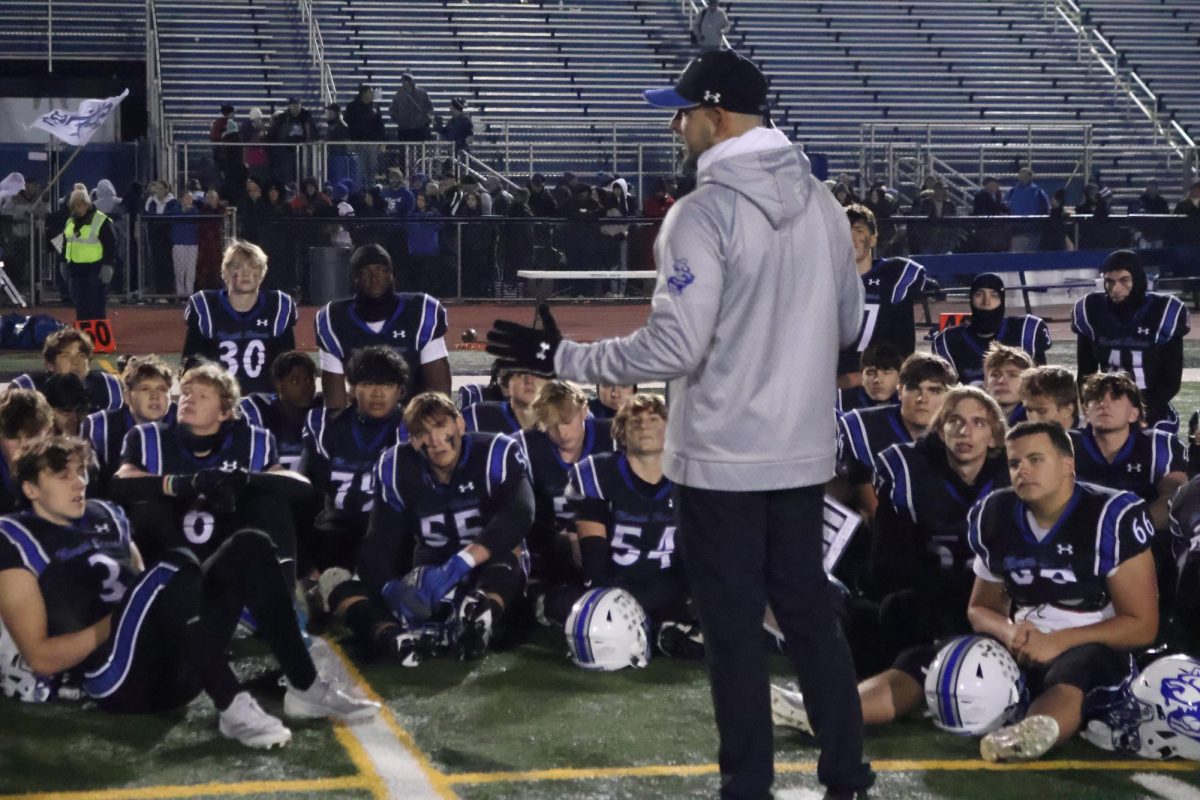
<point x="58" y="175"/>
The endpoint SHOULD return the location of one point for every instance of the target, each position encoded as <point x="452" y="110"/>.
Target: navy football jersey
<point x="856" y="397"/>
<point x="341" y="449"/>
<point x="471" y="393"/>
<point x="492" y="417"/>
<point x="440" y="519"/>
<point x="920" y="526"/>
<point x="1148" y="455"/>
<point x="892" y="285"/>
<point x="1018" y="414"/>
<point x="83" y="569"/>
<point x="549" y="472"/>
<point x="418" y="321"/>
<point x="245" y="344"/>
<point x="104" y="391"/>
<point x="865" y="433"/>
<point x="1060" y="580"/>
<point x="1136" y="346"/>
<point x="158" y="449"/>
<point x="599" y="410"/>
<point x="964" y="349"/>
<point x="639" y="518"/>
<point x="105" y="432"/>
<point x="11" y="496"/>
<point x="266" y="410"/>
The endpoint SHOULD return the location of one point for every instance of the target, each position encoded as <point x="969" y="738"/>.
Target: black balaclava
<point x="1130" y="262"/>
<point x="372" y="309"/>
<point x="986" y="323"/>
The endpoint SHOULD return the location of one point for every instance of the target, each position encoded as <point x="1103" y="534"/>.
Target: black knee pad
<point x="345" y="591"/>
<point x="502" y="577"/>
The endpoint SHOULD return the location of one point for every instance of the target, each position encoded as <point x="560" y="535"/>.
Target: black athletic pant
<point x="741" y="550"/>
<point x="169" y="640"/>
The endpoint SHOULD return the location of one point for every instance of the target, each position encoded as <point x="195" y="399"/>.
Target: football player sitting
<point x="443" y="556"/>
<point x="626" y="529"/>
<point x="1050" y="394"/>
<point x="341" y="449"/>
<point x="283" y="412"/>
<point x="1002" y="369"/>
<point x="609" y="397"/>
<point x="74" y="597"/>
<point x="507" y="416"/>
<point x="147" y="381"/>
<point x="24" y="417"/>
<point x="70" y="351"/>
<point x="880" y="378"/>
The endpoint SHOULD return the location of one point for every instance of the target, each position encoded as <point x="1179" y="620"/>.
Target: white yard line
<point x="403" y="770"/>
<point x="1167" y="787"/>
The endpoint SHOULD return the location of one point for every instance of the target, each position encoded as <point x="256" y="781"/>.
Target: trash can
<point x="328" y="274"/>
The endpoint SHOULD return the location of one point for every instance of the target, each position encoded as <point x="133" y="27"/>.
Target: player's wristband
<point x="467" y="558"/>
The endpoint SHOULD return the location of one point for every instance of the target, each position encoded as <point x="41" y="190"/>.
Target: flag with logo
<point x="77" y="127"/>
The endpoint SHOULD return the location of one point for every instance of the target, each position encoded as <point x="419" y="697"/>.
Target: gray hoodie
<point x="757" y="290"/>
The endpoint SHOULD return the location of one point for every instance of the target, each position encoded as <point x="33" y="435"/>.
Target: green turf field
<point x="522" y="723"/>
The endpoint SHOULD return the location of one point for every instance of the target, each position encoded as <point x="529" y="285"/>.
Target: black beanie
<point x="368" y="255"/>
<point x="987" y="322"/>
<point x="1130" y="262"/>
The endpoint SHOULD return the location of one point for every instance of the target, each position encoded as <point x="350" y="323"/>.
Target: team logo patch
<point x="712" y="97"/>
<point x="683" y="277"/>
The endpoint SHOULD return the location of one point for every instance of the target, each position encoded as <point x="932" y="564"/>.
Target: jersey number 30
<point x="254" y="357"/>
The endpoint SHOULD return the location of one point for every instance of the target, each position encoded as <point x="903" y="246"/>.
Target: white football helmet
<point x="1169" y="693"/>
<point x="16" y="678"/>
<point x="607" y="630"/>
<point x="974" y="686"/>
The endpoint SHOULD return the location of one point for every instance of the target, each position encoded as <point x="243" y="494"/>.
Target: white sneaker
<point x="1028" y="739"/>
<point x="246" y="722"/>
<point x="323" y="699"/>
<point x="787" y="710"/>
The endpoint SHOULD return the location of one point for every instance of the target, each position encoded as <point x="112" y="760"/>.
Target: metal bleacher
<point x="73" y="29"/>
<point x="1161" y="40"/>
<point x="250" y="53"/>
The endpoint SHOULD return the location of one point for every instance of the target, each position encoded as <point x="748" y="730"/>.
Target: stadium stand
<point x="73" y="29"/>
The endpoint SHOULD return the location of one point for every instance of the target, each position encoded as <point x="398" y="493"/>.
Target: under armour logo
<point x="873" y="281"/>
<point x="228" y="466"/>
<point x="469" y="486"/>
<point x="670" y="502"/>
<point x="262" y="323"/>
<point x="1066" y="550"/>
<point x="543" y="351"/>
<point x="399" y="334"/>
<point x="712" y="97"/>
<point x="1133" y="467"/>
<point x="1143" y="331"/>
<point x="102" y="527"/>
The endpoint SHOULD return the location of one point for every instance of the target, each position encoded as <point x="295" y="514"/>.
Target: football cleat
<point x="409" y="649"/>
<point x="1030" y="738"/>
<point x="475" y="619"/>
<point x="680" y="640"/>
<point x="788" y="711"/>
<point x="245" y="721"/>
<point x="323" y="699"/>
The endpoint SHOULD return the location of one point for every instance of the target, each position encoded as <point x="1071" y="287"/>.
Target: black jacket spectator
<point x="363" y="118"/>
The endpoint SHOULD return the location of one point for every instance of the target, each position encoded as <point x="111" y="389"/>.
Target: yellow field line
<point x="893" y="765"/>
<point x="436" y="777"/>
<point x="203" y="790"/>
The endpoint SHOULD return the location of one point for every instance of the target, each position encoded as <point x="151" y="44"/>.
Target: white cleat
<point x="323" y="699"/>
<point x="1030" y="738"/>
<point x="245" y="721"/>
<point x="787" y="710"/>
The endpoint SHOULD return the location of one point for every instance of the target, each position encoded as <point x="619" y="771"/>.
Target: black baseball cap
<point x="720" y="79"/>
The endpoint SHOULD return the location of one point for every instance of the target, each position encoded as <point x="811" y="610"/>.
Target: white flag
<point x="13" y="183"/>
<point x="77" y="127"/>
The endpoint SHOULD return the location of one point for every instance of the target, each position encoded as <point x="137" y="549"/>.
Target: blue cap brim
<point x="668" y="98"/>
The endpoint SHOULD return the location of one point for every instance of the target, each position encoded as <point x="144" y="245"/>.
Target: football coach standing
<point x="757" y="290"/>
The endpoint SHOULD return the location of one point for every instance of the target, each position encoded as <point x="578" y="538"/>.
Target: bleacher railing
<point x="316" y="50"/>
<point x="1092" y="46"/>
<point x="156" y="134"/>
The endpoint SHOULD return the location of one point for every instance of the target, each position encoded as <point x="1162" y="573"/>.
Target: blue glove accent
<point x="436" y="583"/>
<point x="398" y="595"/>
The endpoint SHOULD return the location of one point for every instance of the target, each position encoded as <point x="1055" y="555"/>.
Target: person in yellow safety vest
<point x="90" y="250"/>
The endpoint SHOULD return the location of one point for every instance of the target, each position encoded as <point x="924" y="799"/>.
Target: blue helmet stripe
<point x="583" y="648"/>
<point x="948" y="677"/>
